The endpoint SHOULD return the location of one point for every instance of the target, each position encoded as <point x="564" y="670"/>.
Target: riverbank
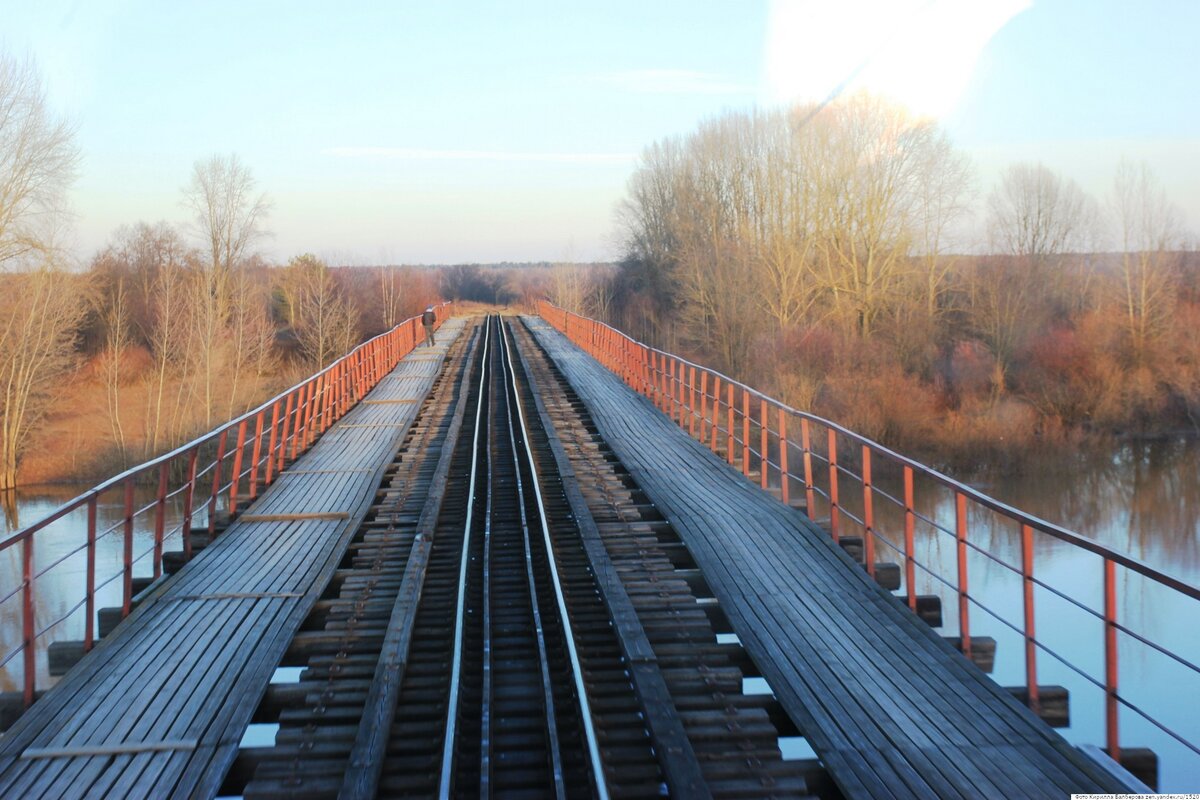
<point x="90" y="433"/>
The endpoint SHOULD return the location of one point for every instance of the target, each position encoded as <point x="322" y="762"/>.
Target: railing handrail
<point x="81" y="500"/>
<point x="1016" y="514"/>
<point x="670" y="383"/>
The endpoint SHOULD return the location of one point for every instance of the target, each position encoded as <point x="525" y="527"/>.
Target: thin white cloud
<point x="420" y="154"/>
<point x="668" y="81"/>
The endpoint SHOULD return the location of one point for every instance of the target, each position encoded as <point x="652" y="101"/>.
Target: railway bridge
<point x="538" y="559"/>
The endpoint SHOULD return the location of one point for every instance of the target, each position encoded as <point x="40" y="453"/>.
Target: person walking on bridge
<point x="428" y="319"/>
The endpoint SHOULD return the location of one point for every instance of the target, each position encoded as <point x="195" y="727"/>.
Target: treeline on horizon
<point x="179" y="340"/>
<point x="816" y="253"/>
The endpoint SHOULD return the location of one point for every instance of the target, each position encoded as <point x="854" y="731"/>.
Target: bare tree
<point x="325" y="322"/>
<point x="209" y="300"/>
<point x="1035" y="217"/>
<point x="41" y="309"/>
<point x="1149" y="227"/>
<point x="600" y="292"/>
<point x="1036" y="214"/>
<point x="391" y="296"/>
<point x="166" y="335"/>
<point x="251" y="335"/>
<point x="943" y="189"/>
<point x="1005" y="306"/>
<point x="117" y="340"/>
<point x="568" y="287"/>
<point x="38" y="158"/>
<point x="40" y="314"/>
<point x="229" y="213"/>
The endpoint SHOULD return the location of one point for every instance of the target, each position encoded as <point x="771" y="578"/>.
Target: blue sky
<point x="419" y="132"/>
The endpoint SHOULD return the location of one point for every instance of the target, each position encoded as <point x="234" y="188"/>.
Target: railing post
<point x="785" y="477"/>
<point x="1031" y="684"/>
<point x="960" y="534"/>
<point x="315" y="413"/>
<point x="714" y="430"/>
<point x="692" y="403"/>
<point x="745" y="432"/>
<point x="356" y="369"/>
<point x="910" y="519"/>
<point x="271" y="443"/>
<point x="256" y="454"/>
<point x="810" y="494"/>
<point x="314" y="410"/>
<point x="664" y="383"/>
<point x="160" y="516"/>
<point x="283" y="434"/>
<point x="127" y="559"/>
<point x="680" y="392"/>
<point x="834" y="514"/>
<point x="236" y="477"/>
<point x="653" y="369"/>
<point x="672" y="391"/>
<point x="89" y="605"/>
<point x="324" y="398"/>
<point x="868" y="513"/>
<point x="1111" y="705"/>
<point x="216" y="484"/>
<point x="646" y="371"/>
<point x="665" y="369"/>
<point x="729" y="428"/>
<point x="669" y="385"/>
<point x="301" y="409"/>
<point x="310" y="410"/>
<point x="703" y="405"/>
<point x="189" y="496"/>
<point x="29" y="654"/>
<point x="764" y="428"/>
<point x="339" y="389"/>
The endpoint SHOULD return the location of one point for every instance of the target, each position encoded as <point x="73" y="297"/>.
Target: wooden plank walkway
<point x="158" y="708"/>
<point x="891" y="709"/>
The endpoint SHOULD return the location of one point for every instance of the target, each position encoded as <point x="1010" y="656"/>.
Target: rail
<point x="751" y="431"/>
<point x="585" y="712"/>
<point x="191" y="482"/>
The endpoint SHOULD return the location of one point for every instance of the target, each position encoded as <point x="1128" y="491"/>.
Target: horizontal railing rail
<point x="750" y="430"/>
<point x="190" y="482"/>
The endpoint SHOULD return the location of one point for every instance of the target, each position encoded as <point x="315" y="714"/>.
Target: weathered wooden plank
<point x="109" y="749"/>
<point x="194" y="670"/>
<point x="882" y="699"/>
<point x="298" y="517"/>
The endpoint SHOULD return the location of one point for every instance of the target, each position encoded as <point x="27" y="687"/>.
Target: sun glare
<point x="918" y="52"/>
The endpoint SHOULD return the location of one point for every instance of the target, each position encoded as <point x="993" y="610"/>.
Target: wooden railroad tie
<point x="109" y="749"/>
<point x="325" y="515"/>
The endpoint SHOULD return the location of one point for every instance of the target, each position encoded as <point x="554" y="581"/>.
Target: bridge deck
<point x="890" y="708"/>
<point x="160" y="708"/>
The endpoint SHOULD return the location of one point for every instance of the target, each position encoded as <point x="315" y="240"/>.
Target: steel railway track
<point x="469" y="648"/>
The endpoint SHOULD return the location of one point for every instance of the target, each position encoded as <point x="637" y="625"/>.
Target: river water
<point x="1142" y="499"/>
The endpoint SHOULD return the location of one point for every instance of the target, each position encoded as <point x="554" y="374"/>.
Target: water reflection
<point x="8" y="501"/>
<point x="1141" y="499"/>
<point x="60" y="551"/>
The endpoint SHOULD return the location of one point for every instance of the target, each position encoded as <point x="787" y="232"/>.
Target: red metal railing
<point x="256" y="446"/>
<point x="725" y="414"/>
